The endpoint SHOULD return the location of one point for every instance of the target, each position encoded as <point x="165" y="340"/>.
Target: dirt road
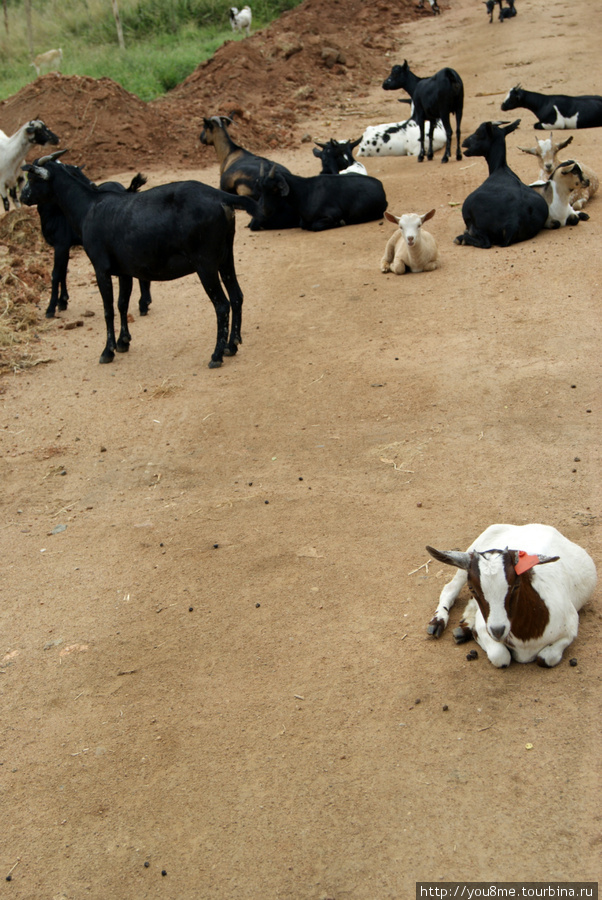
<point x="214" y="656"/>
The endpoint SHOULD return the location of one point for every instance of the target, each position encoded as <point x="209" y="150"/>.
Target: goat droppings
<point x="573" y="662"/>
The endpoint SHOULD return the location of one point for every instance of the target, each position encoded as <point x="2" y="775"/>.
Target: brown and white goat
<point x="410" y="247"/>
<point x="49" y="61"/>
<point x="547" y="153"/>
<point x="566" y="178"/>
<point x="527" y="584"/>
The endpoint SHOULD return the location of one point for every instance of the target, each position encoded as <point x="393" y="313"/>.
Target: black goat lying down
<point x="557" y="110"/>
<point x="502" y="210"/>
<point x="60" y="235"/>
<point x="321" y="201"/>
<point x="159" y="235"/>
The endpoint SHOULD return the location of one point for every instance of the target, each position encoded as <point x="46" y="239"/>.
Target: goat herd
<point x="527" y="582"/>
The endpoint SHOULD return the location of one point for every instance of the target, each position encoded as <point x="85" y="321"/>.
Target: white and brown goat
<point x="527" y="584"/>
<point x="547" y="153"/>
<point x="557" y="191"/>
<point x="410" y="247"/>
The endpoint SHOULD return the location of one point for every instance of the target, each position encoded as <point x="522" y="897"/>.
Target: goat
<point x="547" y="152"/>
<point x="322" y="201"/>
<point x="158" y="235"/>
<point x="563" y="181"/>
<point x="241" y="19"/>
<point x="337" y="158"/>
<point x="61" y="236"/>
<point x="557" y="110"/>
<point x="409" y="247"/>
<point x="434" y="98"/>
<point x="47" y="61"/>
<point x="397" y="139"/>
<point x="490" y="6"/>
<point x="12" y="156"/>
<point x="433" y="4"/>
<point x="507" y="12"/>
<point x="502" y="210"/>
<point x="525" y="597"/>
<point x="240" y="169"/>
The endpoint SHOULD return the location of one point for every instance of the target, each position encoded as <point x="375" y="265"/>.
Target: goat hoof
<point x="215" y="363"/>
<point x="107" y="357"/>
<point x="462" y="634"/>
<point x="49" y="314"/>
<point x="583" y="216"/>
<point x="445" y="159"/>
<point x="435" y="627"/>
<point x="122" y="347"/>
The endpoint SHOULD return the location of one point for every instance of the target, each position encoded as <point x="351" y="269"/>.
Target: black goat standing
<point x="60" y="235"/>
<point x="502" y="210"/>
<point x="159" y="235"/>
<point x="433" y="98"/>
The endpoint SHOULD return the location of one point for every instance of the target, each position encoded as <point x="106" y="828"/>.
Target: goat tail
<point x="136" y="183"/>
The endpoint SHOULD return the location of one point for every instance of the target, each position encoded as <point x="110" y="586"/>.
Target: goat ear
<point x="392" y="218"/>
<point x="451" y="557"/>
<point x="512" y="127"/>
<point x="317" y="152"/>
<point x="428" y="215"/>
<point x="404" y="99"/>
<point x="524" y="561"/>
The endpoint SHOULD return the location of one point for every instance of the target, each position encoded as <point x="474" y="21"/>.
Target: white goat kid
<point x="49" y="61"/>
<point x="547" y="153"/>
<point x="410" y="247"/>
<point x="566" y="178"/>
<point x="241" y="19"/>
<point x="525" y="599"/>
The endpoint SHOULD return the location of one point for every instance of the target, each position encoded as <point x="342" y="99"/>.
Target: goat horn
<point x="50" y="158"/>
<point x="272" y="171"/>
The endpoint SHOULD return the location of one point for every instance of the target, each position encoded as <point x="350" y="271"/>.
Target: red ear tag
<point x="525" y="562"/>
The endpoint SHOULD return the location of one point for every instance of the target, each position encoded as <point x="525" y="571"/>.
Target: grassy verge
<point x="165" y="40"/>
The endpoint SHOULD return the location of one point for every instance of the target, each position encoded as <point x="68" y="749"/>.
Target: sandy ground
<point x="215" y="676"/>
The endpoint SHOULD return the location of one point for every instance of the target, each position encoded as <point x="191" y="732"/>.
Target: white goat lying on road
<point x="409" y="247"/>
<point x="527" y="583"/>
<point x="397" y="139"/>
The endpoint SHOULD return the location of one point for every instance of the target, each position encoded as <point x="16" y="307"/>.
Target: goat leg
<point x="105" y="286"/>
<point x="123" y="302"/>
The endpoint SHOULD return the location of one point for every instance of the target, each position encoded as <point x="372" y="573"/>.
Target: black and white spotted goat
<point x="527" y="584"/>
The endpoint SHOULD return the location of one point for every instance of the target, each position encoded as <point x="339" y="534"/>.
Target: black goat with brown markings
<point x="240" y="169"/>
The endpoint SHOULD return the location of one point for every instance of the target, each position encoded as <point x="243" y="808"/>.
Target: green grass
<point x="165" y="40"/>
